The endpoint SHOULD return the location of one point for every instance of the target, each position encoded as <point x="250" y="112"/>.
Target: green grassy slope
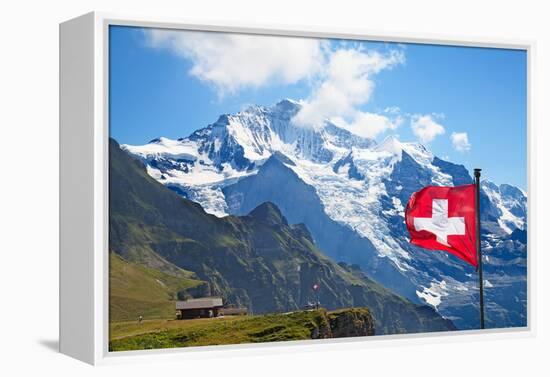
<point x="136" y="290"/>
<point x="301" y="325"/>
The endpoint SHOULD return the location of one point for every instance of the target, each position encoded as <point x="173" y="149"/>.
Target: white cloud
<point x="367" y="124"/>
<point x="231" y="61"/>
<point x="425" y="128"/>
<point x="392" y="110"/>
<point x="345" y="84"/>
<point x="460" y="141"/>
<point x="341" y="79"/>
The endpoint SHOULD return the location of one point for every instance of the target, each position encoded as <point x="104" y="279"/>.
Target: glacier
<point x="351" y="192"/>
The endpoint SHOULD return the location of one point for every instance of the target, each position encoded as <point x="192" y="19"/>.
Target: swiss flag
<point x="444" y="218"/>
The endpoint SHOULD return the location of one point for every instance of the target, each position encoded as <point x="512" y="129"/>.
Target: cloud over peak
<point x="460" y="141"/>
<point x="346" y="83"/>
<point x="425" y="127"/>
<point x="340" y="76"/>
<point x="231" y="61"/>
<point x="368" y="125"/>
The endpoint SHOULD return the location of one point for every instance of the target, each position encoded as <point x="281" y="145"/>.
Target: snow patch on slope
<point x="165" y="148"/>
<point x="507" y="220"/>
<point x="350" y="202"/>
<point x="432" y="295"/>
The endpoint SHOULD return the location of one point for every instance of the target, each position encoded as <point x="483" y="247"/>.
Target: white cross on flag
<point x="444" y="218"/>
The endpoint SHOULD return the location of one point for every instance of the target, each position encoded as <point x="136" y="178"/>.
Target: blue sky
<point x="467" y="105"/>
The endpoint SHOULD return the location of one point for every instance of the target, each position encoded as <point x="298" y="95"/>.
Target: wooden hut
<point x="206" y="307"/>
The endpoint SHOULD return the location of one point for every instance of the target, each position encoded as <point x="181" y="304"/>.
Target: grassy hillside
<point x="136" y="290"/>
<point x="258" y="261"/>
<point x="302" y="325"/>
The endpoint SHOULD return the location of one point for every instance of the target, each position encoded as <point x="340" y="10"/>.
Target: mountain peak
<point x="278" y="157"/>
<point x="223" y="120"/>
<point x="512" y="191"/>
<point x="287" y="106"/>
<point x="489" y="184"/>
<point x="288" y="102"/>
<point x="269" y="213"/>
<point x="391" y="145"/>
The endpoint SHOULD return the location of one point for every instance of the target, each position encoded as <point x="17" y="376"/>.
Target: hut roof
<point x="200" y="303"/>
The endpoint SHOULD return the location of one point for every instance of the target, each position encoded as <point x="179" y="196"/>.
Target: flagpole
<point x="477" y="175"/>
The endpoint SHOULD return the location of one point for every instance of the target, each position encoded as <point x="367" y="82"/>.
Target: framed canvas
<point x="236" y="187"/>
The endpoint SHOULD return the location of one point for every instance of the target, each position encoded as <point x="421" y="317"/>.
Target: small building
<point x="206" y="307"/>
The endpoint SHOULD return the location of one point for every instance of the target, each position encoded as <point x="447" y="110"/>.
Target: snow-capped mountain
<point x="235" y="146"/>
<point x="350" y="192"/>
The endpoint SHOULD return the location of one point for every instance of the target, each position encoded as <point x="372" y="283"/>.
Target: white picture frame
<point x="84" y="187"/>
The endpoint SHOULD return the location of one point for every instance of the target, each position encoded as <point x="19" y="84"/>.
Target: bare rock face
<point x="344" y="323"/>
<point x="351" y="322"/>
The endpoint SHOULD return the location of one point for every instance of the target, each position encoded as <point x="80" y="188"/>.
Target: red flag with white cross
<point x="444" y="218"/>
